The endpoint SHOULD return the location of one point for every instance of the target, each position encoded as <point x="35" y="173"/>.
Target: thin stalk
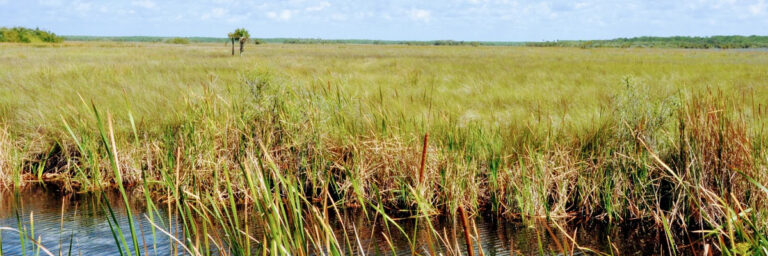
<point x="467" y="238"/>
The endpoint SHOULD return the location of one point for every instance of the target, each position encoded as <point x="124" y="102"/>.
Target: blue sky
<point x="485" y="20"/>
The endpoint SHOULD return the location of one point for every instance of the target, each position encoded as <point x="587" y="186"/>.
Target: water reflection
<point x="80" y="220"/>
<point x="496" y="236"/>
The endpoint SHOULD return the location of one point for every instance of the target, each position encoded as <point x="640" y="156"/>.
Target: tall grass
<point x="675" y="138"/>
<point x="6" y="163"/>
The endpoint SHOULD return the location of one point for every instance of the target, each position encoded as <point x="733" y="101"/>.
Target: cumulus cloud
<point x="420" y="15"/>
<point x="319" y="7"/>
<point x="282" y="15"/>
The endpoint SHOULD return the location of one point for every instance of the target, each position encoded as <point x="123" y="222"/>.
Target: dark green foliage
<point x="27" y="35"/>
<point x="241" y="33"/>
<point x="177" y="40"/>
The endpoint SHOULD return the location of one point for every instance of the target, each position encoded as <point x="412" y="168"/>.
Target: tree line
<point x="716" y="42"/>
<point x="383" y="42"/>
<point x="241" y="36"/>
<point x="27" y="35"/>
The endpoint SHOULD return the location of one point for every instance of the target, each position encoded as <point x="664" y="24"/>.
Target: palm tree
<point x="242" y="36"/>
<point x="232" y="38"/>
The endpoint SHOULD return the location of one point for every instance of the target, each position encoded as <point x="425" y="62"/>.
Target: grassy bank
<point x="673" y="137"/>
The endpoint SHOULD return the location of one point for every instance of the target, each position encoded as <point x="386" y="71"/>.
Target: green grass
<point x="292" y="131"/>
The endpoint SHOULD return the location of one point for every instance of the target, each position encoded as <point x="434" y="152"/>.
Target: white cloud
<point x="286" y="14"/>
<point x="282" y="15"/>
<point x="420" y="15"/>
<point x="582" y="5"/>
<point x="758" y="8"/>
<point x="319" y="7"/>
<point x="144" y="3"/>
<point x="215" y="13"/>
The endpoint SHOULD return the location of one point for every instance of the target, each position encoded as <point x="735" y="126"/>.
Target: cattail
<point x="464" y="223"/>
<point x="423" y="158"/>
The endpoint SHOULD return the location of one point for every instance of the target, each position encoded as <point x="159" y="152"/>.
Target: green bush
<point x="27" y="35"/>
<point x="177" y="40"/>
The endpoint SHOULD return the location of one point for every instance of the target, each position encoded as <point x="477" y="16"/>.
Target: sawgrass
<point x="614" y="134"/>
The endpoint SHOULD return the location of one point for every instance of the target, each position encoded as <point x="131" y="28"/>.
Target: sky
<point x="468" y="20"/>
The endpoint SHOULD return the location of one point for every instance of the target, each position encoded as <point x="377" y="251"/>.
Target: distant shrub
<point x="27" y="35"/>
<point x="177" y="40"/>
<point x="587" y="44"/>
<point x="416" y="43"/>
<point x="447" y="42"/>
<point x="454" y="43"/>
<point x="310" y="41"/>
<point x="258" y="41"/>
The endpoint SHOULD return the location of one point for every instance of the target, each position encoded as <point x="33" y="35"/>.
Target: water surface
<point x="80" y="224"/>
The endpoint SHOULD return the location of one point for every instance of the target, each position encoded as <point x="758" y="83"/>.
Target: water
<point x="498" y="236"/>
<point x="81" y="222"/>
<point x="77" y="219"/>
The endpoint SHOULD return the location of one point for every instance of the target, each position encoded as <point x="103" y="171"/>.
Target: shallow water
<point x="81" y="222"/>
<point x="498" y="236"/>
<point x="77" y="219"/>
